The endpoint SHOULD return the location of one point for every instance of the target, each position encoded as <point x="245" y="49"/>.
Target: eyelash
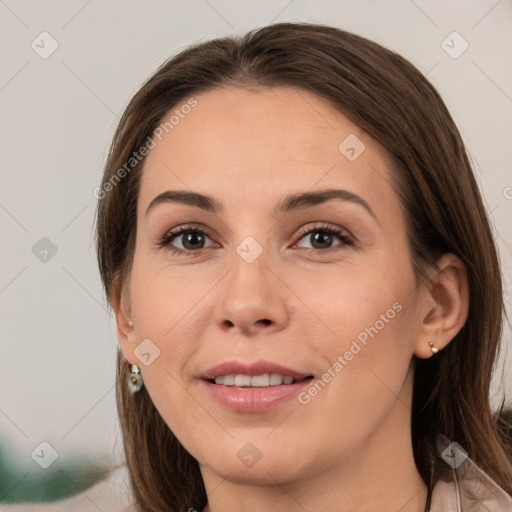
<point x="165" y="240"/>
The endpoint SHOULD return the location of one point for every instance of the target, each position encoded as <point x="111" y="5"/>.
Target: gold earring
<point x="434" y="349"/>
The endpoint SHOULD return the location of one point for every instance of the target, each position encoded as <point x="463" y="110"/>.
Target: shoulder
<point x="470" y="489"/>
<point x="112" y="494"/>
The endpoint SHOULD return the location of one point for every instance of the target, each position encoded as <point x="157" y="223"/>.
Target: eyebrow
<point x="291" y="202"/>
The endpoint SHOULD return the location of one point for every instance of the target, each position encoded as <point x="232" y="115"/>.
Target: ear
<point x="444" y="305"/>
<point x="125" y="329"/>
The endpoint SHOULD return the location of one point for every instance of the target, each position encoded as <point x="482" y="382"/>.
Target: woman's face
<point x="319" y="289"/>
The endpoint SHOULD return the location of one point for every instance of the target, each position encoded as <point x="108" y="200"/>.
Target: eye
<point x="322" y="235"/>
<point x="192" y="240"/>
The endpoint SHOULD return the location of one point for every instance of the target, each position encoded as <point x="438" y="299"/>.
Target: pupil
<point x="324" y="238"/>
<point x="190" y="238"/>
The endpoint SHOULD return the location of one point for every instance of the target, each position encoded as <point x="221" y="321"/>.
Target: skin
<point x="349" y="448"/>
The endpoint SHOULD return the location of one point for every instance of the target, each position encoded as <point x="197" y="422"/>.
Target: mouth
<point x="256" y="381"/>
<point x="253" y="387"/>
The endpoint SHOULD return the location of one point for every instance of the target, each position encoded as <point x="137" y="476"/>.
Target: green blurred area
<point x="22" y="480"/>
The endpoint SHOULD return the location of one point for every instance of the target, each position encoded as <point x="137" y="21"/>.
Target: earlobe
<point x="444" y="306"/>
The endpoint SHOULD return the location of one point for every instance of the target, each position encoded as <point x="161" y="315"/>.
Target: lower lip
<point x="253" y="399"/>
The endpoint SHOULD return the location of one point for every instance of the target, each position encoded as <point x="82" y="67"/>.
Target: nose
<point x="251" y="298"/>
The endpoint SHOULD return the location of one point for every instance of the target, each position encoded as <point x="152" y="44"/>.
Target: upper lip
<point x="252" y="369"/>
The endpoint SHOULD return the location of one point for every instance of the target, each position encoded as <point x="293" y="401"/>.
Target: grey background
<point x="58" y="114"/>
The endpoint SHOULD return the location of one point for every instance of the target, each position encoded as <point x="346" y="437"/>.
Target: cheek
<point x="163" y="304"/>
<point x="362" y="301"/>
<point x="164" y="300"/>
<point x="366" y="335"/>
<point x="366" y="369"/>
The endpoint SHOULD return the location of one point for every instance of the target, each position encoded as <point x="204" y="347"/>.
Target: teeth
<point x="257" y="381"/>
<point x="228" y="380"/>
<point x="242" y="380"/>
<point x="260" y="380"/>
<point x="276" y="379"/>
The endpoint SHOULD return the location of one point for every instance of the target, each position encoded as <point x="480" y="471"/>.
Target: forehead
<point x="263" y="143"/>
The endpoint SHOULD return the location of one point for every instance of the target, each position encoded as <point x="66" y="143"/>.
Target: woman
<point x="256" y="372"/>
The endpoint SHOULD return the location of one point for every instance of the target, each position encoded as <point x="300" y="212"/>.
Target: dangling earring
<point x="434" y="349"/>
<point x="135" y="381"/>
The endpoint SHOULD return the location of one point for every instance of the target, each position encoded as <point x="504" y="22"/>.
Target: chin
<point x="256" y="463"/>
<point x="262" y="473"/>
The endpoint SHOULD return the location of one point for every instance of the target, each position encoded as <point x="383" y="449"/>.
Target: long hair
<point x="391" y="100"/>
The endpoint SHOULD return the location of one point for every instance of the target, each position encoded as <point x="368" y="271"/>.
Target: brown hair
<point x="392" y="101"/>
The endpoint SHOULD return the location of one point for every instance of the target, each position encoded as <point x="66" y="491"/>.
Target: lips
<point x="240" y="387"/>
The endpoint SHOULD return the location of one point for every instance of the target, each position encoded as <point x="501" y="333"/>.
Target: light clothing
<point x="471" y="490"/>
